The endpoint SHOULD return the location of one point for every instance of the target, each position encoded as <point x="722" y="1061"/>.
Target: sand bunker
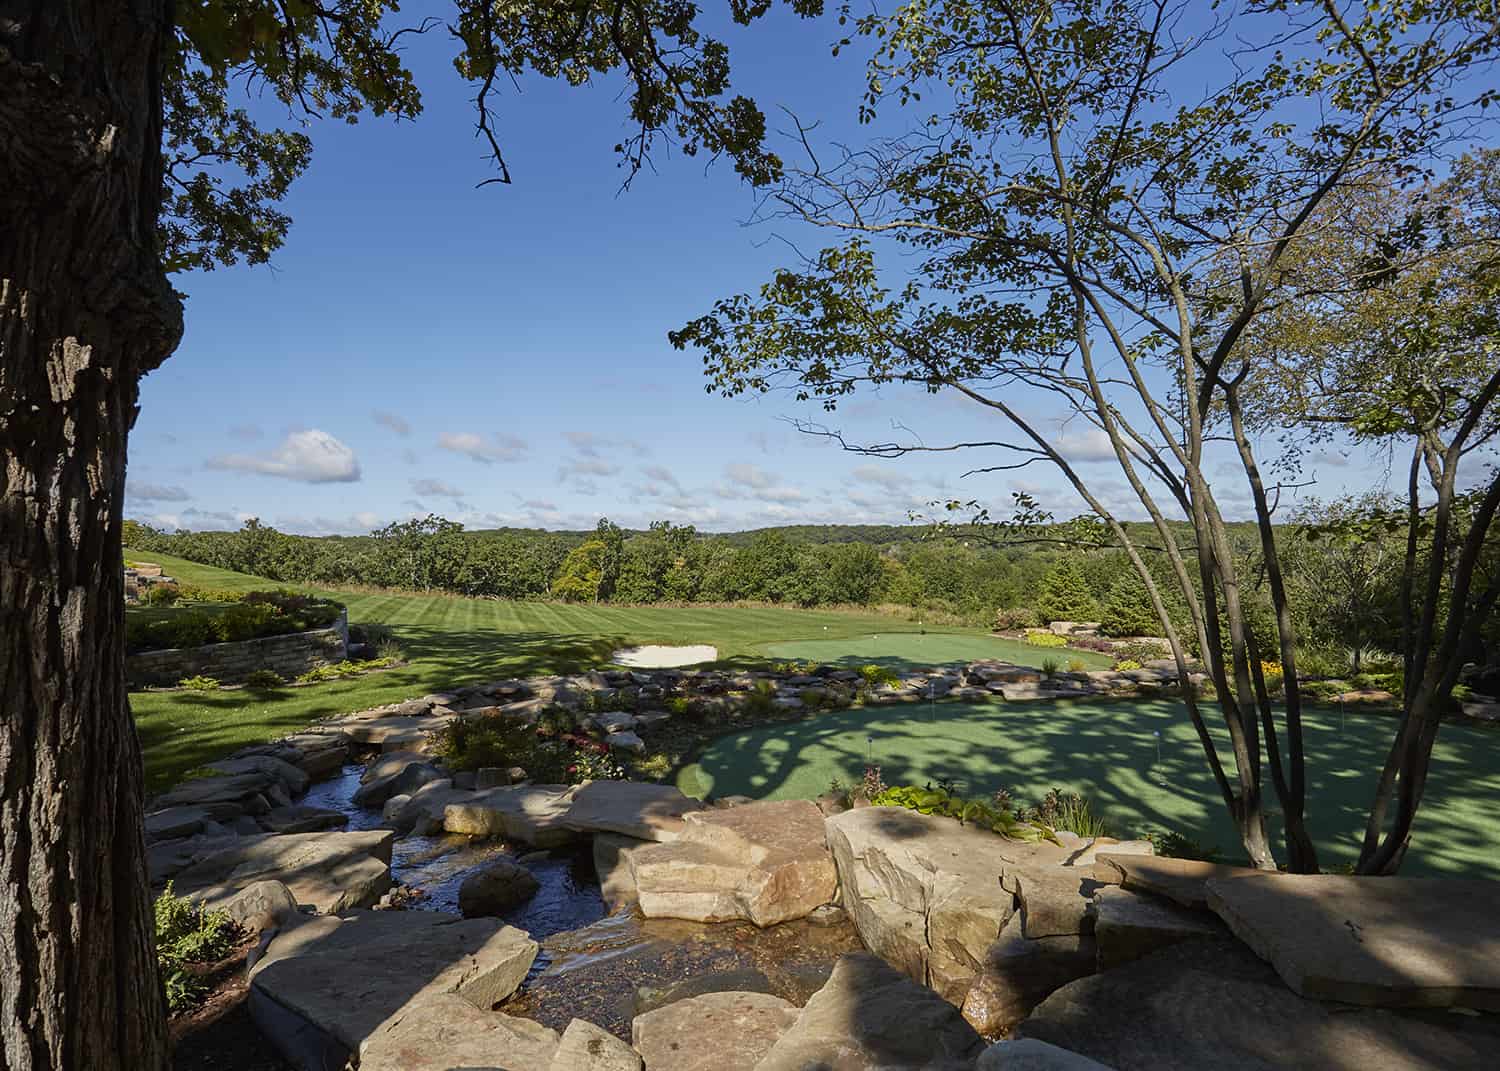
<point x="655" y="656"/>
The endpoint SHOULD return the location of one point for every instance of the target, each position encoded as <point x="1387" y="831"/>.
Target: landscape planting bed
<point x="900" y="650"/>
<point x="1108" y="750"/>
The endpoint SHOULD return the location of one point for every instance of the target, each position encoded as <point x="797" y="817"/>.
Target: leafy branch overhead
<point x="226" y="170"/>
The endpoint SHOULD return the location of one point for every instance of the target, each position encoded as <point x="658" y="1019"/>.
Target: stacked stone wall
<point x="230" y="663"/>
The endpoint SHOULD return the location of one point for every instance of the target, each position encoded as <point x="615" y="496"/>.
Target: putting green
<point x="1109" y="752"/>
<point x="903" y="649"/>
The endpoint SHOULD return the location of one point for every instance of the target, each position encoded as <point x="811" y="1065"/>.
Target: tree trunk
<point x="84" y="312"/>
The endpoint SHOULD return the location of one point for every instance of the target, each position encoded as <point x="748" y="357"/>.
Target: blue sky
<point x="499" y="355"/>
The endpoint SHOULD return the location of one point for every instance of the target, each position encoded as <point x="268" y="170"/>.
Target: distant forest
<point x="971" y="574"/>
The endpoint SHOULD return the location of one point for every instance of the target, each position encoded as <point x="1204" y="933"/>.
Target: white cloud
<point x="1086" y="445"/>
<point x="355" y="524"/>
<point x="394" y="421"/>
<point x="436" y="487"/>
<point x="155" y="492"/>
<point x="590" y="444"/>
<point x="882" y="477"/>
<point x="748" y="481"/>
<point x="661" y="474"/>
<point x="586" y="466"/>
<point x="504" y="448"/>
<point x="310" y="456"/>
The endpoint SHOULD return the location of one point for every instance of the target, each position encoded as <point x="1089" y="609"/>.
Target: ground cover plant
<point x="229" y="615"/>
<point x="1107" y="751"/>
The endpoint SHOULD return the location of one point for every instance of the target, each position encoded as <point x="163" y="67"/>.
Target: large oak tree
<point x="127" y="152"/>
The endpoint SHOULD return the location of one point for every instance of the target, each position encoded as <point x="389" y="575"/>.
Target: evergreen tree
<point x="1065" y="594"/>
<point x="1127" y="609"/>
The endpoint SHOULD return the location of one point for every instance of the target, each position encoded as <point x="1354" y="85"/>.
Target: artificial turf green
<point x="1107" y="750"/>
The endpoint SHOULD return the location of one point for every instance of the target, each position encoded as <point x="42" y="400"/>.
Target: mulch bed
<point x="219" y="1034"/>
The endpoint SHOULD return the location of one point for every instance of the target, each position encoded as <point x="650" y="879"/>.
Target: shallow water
<point x="603" y="969"/>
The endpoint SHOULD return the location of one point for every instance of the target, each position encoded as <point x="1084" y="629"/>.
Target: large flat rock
<point x="762" y="862"/>
<point x="1390" y="942"/>
<point x="337" y="982"/>
<point x="712" y="1032"/>
<point x="872" y="1016"/>
<point x="329" y="871"/>
<point x="1213" y="1004"/>
<point x="924" y="892"/>
<point x="1130" y="925"/>
<point x="531" y="814"/>
<point x="1183" y="880"/>
<point x="630" y="808"/>
<point x="447" y="1033"/>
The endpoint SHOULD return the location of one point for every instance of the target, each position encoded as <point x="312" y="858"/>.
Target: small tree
<point x="1065" y="594"/>
<point x="582" y="572"/>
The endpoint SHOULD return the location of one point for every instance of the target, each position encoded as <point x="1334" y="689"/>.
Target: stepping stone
<point x="1182" y="880"/>
<point x="328" y="871"/>
<point x="762" y="862"/>
<point x="714" y="1032"/>
<point x="1390" y="942"/>
<point x="334" y="984"/>
<point x="300" y="819"/>
<point x="870" y="1015"/>
<point x="1128" y="926"/>
<point x="447" y="1033"/>
<point x="393" y="728"/>
<point x="1213" y="1004"/>
<point x="533" y="814"/>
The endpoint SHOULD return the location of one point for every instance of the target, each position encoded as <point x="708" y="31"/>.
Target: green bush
<point x="1049" y="667"/>
<point x="876" y="676"/>
<point x="389" y="650"/>
<point x="929" y="800"/>
<point x="1174" y="845"/>
<point x="161" y="595"/>
<point x="197" y="593"/>
<point x="264" y="678"/>
<point x="1141" y="652"/>
<point x="1068" y="811"/>
<point x="340" y="670"/>
<point x="187" y="934"/>
<point x="1323" y="689"/>
<point x="1124" y="664"/>
<point x="199" y="684"/>
<point x="759" y="700"/>
<point x="1043" y="638"/>
<point x="1065" y="594"/>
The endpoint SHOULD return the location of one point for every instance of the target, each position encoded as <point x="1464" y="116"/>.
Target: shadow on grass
<point x="180" y="731"/>
<point x="1110" y="752"/>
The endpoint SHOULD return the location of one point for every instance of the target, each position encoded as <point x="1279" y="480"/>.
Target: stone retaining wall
<point x="231" y="663"/>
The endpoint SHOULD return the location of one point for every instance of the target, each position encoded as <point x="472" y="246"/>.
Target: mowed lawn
<point x="450" y="641"/>
<point x="899" y="648"/>
<point x="1108" y="750"/>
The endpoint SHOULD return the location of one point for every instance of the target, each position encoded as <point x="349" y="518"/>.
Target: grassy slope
<point x="448" y="641"/>
<point x="1107" y="750"/>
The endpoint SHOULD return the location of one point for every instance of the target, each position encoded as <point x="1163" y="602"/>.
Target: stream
<point x="603" y="968"/>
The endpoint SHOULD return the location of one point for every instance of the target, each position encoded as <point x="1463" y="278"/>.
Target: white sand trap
<point x="656" y="656"/>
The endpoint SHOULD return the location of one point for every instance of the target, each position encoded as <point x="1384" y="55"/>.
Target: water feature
<point x="606" y="969"/>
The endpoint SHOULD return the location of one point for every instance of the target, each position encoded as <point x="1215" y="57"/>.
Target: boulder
<point x="586" y="1047"/>
<point x="264" y="905"/>
<point x="447" y="1033"/>
<point x="291" y="778"/>
<point x="633" y="808"/>
<point x="1055" y="900"/>
<point x="714" y="1032"/>
<point x="1390" y="942"/>
<point x="870" y="1015"/>
<point x="396" y="774"/>
<point x="246" y="791"/>
<point x="1213" y="1004"/>
<point x="1029" y="1054"/>
<point x="1182" y="880"/>
<point x="626" y="741"/>
<point x="330" y="871"/>
<point x="924" y="892"/>
<point x="177" y="822"/>
<point x="532" y="814"/>
<point x="167" y="858"/>
<point x="1128" y="925"/>
<point x="495" y="888"/>
<point x="762" y="862"/>
<point x="612" y="863"/>
<point x="299" y="819"/>
<point x="1019" y="973"/>
<point x="334" y="983"/>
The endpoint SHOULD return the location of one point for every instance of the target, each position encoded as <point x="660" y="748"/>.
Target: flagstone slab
<point x="1182" y="880"/>
<point x="331" y="872"/>
<point x="1383" y="941"/>
<point x="631" y="808"/>
<point x="532" y="814"/>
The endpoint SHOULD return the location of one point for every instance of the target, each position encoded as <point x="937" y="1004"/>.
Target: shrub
<point x="161" y="595"/>
<point x="929" y="800"/>
<point x="1068" y="811"/>
<point x="1141" y="652"/>
<point x="1049" y="667"/>
<point x="759" y="700"/>
<point x="1065" y="594"/>
<point x="367" y="632"/>
<point x="1015" y="619"/>
<point x="389" y="651"/>
<point x="1077" y="665"/>
<point x="187" y="628"/>
<point x="1323" y="689"/>
<point x="196" y="593"/>
<point x="264" y="678"/>
<point x="875" y="676"/>
<point x="679" y="706"/>
<point x="188" y="934"/>
<point x="1322" y="662"/>
<point x="1043" y="638"/>
<point x="1123" y="664"/>
<point x="1091" y="643"/>
<point x="873" y="785"/>
<point x="199" y="684"/>
<point x="340" y="670"/>
<point x="1176" y="845"/>
<point x="654" y="767"/>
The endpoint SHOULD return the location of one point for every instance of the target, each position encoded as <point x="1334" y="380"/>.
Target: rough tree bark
<point x="85" y="311"/>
